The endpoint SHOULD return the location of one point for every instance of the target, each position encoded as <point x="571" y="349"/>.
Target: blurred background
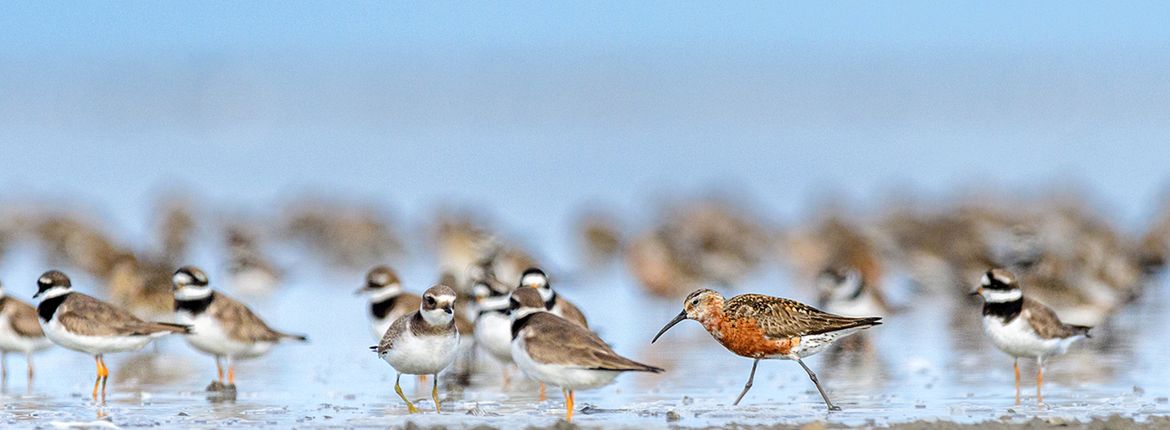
<point x="656" y="144"/>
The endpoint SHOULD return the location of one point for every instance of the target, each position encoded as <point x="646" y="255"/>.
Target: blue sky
<point x="530" y="109"/>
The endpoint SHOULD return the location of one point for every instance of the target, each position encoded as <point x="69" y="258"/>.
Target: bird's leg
<point x="97" y="362"/>
<point x="231" y="371"/>
<point x="435" y="394"/>
<point x="398" y="389"/>
<point x="543" y="396"/>
<point x="1017" y="365"/>
<point x="28" y="360"/>
<point x="422" y="380"/>
<point x="105" y="373"/>
<point x="219" y="369"/>
<point x="1039" y="380"/>
<point x="4" y="367"/>
<point x="813" y="376"/>
<point x="748" y="385"/>
<point x="568" y="404"/>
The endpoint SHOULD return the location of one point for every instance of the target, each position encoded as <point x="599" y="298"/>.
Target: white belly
<point x="422" y="356"/>
<point x="1019" y="340"/>
<point x="493" y="333"/>
<point x="10" y="341"/>
<point x="573" y="378"/>
<point x="815" y="343"/>
<point x="208" y="335"/>
<point x="95" y="345"/>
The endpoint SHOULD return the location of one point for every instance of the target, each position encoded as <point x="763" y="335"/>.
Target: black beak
<point x="449" y="310"/>
<point x="976" y="292"/>
<point x="677" y="319"/>
<point x="363" y="290"/>
<point x="38" y="294"/>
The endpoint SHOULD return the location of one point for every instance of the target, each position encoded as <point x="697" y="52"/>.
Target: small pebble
<point x="672" y="416"/>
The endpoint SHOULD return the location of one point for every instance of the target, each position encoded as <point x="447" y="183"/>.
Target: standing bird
<point x="1023" y="327"/>
<point x="220" y="325"/>
<point x="82" y="323"/>
<point x="19" y="332"/>
<point x="423" y="342"/>
<point x="493" y="326"/>
<point x="555" y="351"/>
<point x="764" y="327"/>
<point x="388" y="302"/>
<point x="553" y="302"/>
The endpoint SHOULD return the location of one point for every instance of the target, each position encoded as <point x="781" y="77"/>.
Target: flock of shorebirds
<point x="493" y="300"/>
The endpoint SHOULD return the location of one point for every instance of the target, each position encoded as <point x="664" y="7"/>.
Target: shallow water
<point x="927" y="362"/>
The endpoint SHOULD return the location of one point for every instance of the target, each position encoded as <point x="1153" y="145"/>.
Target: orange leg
<point x="218" y="370"/>
<point x="422" y="380"/>
<point x="104" y="372"/>
<point x="1039" y="381"/>
<point x="97" y="361"/>
<point x="231" y="373"/>
<point x="569" y="407"/>
<point x="1017" y="365"/>
<point x="543" y="395"/>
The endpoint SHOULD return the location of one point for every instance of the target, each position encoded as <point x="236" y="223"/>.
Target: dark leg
<point x="748" y="385"/>
<point x="813" y="376"/>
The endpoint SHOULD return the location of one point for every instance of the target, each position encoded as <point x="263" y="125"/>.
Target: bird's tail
<point x="163" y="328"/>
<point x="627" y="365"/>
<point x="294" y="336"/>
<point x="864" y="322"/>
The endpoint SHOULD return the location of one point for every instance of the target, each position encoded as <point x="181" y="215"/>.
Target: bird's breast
<point x="745" y="337"/>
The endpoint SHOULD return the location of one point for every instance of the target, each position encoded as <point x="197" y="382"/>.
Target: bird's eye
<point x="430" y="300"/>
<point x="695" y="302"/>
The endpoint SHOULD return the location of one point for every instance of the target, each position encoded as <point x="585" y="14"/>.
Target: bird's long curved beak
<point x="677" y="319"/>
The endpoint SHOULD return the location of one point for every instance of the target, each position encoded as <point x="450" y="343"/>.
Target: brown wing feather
<point x="21" y="317"/>
<point x="559" y="341"/>
<point x="1046" y="324"/>
<point x="87" y="316"/>
<point x="782" y="318"/>
<point x="571" y="312"/>
<point x="240" y="322"/>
